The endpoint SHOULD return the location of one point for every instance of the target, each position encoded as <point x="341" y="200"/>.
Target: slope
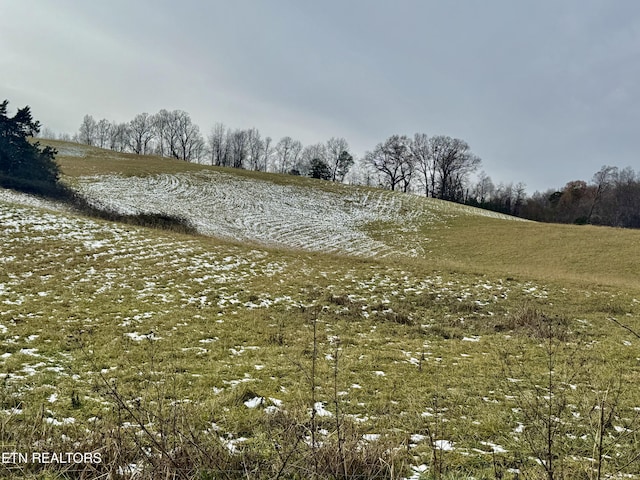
<point x="187" y="356"/>
<point x="294" y="212"/>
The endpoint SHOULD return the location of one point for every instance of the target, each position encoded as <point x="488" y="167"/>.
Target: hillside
<point x="286" y="211"/>
<point x="275" y="210"/>
<point x="312" y="329"/>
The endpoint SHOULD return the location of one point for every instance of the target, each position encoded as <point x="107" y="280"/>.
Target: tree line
<point x="434" y="166"/>
<point x="437" y="166"/>
<point x="173" y="134"/>
<point x="611" y="198"/>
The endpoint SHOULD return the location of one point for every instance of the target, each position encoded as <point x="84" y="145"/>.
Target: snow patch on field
<point x="11" y="196"/>
<point x="236" y="208"/>
<point x="73" y="151"/>
<point x="249" y="210"/>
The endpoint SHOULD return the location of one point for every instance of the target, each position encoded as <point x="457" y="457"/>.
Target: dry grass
<point x="157" y="344"/>
<point x="586" y="255"/>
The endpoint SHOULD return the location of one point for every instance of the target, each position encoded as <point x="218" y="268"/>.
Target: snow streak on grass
<point x="98" y="258"/>
<point x="227" y="326"/>
<point x="71" y="150"/>
<point x="243" y="209"/>
<point x="64" y="275"/>
<point x="11" y="196"/>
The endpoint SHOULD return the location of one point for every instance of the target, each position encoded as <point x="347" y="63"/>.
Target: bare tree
<point x="162" y="131"/>
<point x="520" y="197"/>
<point x="505" y="198"/>
<point x="484" y="189"/>
<point x="288" y="152"/>
<point x="362" y="173"/>
<point x="626" y="199"/>
<point x="178" y="136"/>
<point x="87" y="132"/>
<point x="603" y="181"/>
<point x="424" y="163"/>
<point x="176" y="122"/>
<point x="255" y="146"/>
<point x="218" y="145"/>
<point x="239" y="148"/>
<point x="338" y="158"/>
<point x="453" y="161"/>
<point x="103" y="128"/>
<point x="407" y="167"/>
<point x="189" y="143"/>
<point x="267" y="153"/>
<point x="196" y="148"/>
<point x="118" y="136"/>
<point x="389" y="158"/>
<point x="47" y="133"/>
<point x="142" y="132"/>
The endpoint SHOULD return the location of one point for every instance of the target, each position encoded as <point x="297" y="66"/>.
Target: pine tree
<point x="26" y="166"/>
<point x="319" y="169"/>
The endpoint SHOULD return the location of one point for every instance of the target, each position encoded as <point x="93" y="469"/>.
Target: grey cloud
<point x="544" y="91"/>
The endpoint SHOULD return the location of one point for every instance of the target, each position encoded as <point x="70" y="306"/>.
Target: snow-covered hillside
<point x="245" y="209"/>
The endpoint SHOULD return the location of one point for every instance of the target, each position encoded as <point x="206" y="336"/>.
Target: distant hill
<point x="271" y="209"/>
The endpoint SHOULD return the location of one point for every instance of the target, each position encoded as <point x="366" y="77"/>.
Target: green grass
<point x="152" y="341"/>
<point x="578" y="254"/>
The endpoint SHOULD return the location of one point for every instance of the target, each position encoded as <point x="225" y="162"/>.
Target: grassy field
<point x="476" y="347"/>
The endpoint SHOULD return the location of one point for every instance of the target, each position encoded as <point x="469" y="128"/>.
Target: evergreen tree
<point x="320" y="169"/>
<point x="343" y="165"/>
<point x="23" y="165"/>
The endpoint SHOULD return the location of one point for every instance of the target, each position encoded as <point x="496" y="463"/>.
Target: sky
<point x="543" y="91"/>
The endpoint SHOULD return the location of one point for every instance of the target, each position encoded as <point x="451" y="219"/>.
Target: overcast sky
<point x="543" y="91"/>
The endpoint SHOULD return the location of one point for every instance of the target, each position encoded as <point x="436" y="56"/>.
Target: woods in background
<point x="612" y="198"/>
<point x="435" y="166"/>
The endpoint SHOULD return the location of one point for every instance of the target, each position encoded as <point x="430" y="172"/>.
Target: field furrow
<point x="248" y="210"/>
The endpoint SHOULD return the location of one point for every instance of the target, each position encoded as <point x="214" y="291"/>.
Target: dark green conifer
<point x="24" y="165"/>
